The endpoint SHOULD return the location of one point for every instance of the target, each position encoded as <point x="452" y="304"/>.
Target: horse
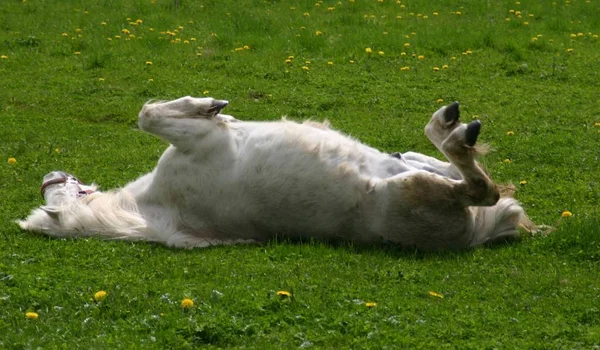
<point x="224" y="181"/>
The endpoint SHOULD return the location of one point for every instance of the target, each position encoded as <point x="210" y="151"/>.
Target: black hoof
<point x="451" y="114"/>
<point x="217" y="106"/>
<point x="472" y="132"/>
<point x="396" y="155"/>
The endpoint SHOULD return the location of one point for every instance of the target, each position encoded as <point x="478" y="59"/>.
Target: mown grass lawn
<point x="73" y="75"/>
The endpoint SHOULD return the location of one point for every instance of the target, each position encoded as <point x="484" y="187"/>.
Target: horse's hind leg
<point x="181" y="120"/>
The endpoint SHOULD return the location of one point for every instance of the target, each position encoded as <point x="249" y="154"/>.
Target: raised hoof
<point x="217" y="106"/>
<point x="472" y="132"/>
<point x="451" y="113"/>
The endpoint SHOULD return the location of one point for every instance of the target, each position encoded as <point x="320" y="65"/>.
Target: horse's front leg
<point x="183" y="120"/>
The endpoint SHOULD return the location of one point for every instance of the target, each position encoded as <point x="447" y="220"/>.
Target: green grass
<point x="77" y="113"/>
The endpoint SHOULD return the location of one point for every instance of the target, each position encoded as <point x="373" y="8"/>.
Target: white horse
<point x="223" y="181"/>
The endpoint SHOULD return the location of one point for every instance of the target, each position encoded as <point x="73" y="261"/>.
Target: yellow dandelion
<point x="368" y="50"/>
<point x="239" y="49"/>
<point x="436" y="295"/>
<point x="569" y="50"/>
<point x="420" y="57"/>
<point x="192" y="39"/>
<point x="381" y="53"/>
<point x="288" y="61"/>
<point x="573" y="36"/>
<point x="187" y="303"/>
<point x="579" y="35"/>
<point x="351" y="61"/>
<point x="57" y="150"/>
<point x="78" y="30"/>
<point x="385" y="33"/>
<point x="445" y="66"/>
<point x="566" y="214"/>
<point x="318" y="33"/>
<point x="307" y="62"/>
<point x="186" y="41"/>
<point x="507" y="161"/>
<point x="469" y="52"/>
<point x="131" y="36"/>
<point x="125" y="31"/>
<point x="458" y="13"/>
<point x="534" y="39"/>
<point x="435" y="69"/>
<point x="525" y="23"/>
<point x="12" y="161"/>
<point x="148" y="63"/>
<point x="150" y="80"/>
<point x="284" y="293"/>
<point x="406" y="44"/>
<point x="439" y="100"/>
<point x="507" y="19"/>
<point x="4" y="57"/>
<point x="511" y="11"/>
<point x="305" y="68"/>
<point x="100" y="295"/>
<point x="77" y="53"/>
<point x="205" y="92"/>
<point x="306" y="14"/>
<point x="31" y="315"/>
<point x="453" y="58"/>
<point x="435" y="13"/>
<point x="402" y="53"/>
<point x="596" y="124"/>
<point x="109" y="39"/>
<point x="246" y="47"/>
<point x="510" y="133"/>
<point x="330" y="63"/>
<point x="65" y="35"/>
<point x="370" y="304"/>
<point x="330" y="8"/>
<point x="523" y="182"/>
<point x="117" y="37"/>
<point x="100" y="79"/>
<point x="139" y="21"/>
<point x="425" y="17"/>
<point x="405" y="68"/>
<point x="595" y="36"/>
<point x="102" y="23"/>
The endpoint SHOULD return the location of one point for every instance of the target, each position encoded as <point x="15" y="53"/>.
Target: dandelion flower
<point x="306" y="14"/>
<point x="405" y="68"/>
<point x="100" y="79"/>
<point x="205" y="92"/>
<point x="595" y="36"/>
<point x="579" y="35"/>
<point x="148" y="63"/>
<point x="12" y="161"/>
<point x="435" y="69"/>
<point x="510" y="133"/>
<point x="125" y="31"/>
<point x="569" y="50"/>
<point x="284" y="293"/>
<point x="370" y="304"/>
<point x="139" y="21"/>
<point x="596" y="124"/>
<point x="436" y="295"/>
<point x="4" y="57"/>
<point x="102" y="23"/>
<point x="150" y="80"/>
<point x="402" y="53"/>
<point x="523" y="182"/>
<point x="318" y="33"/>
<point x="246" y="47"/>
<point x="187" y="303"/>
<point x="445" y="66"/>
<point x="78" y="30"/>
<point x="330" y="63"/>
<point x="305" y="68"/>
<point x="351" y="61"/>
<point x="288" y="61"/>
<point x="566" y="214"/>
<point x="439" y="100"/>
<point x="31" y="315"/>
<point x="435" y="13"/>
<point x="100" y="295"/>
<point x="406" y="44"/>
<point x="368" y="50"/>
<point x="381" y="53"/>
<point x="420" y="57"/>
<point x="507" y="161"/>
<point x="77" y="53"/>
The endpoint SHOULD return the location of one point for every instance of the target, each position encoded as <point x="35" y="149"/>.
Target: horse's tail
<point x="109" y="215"/>
<point x="500" y="222"/>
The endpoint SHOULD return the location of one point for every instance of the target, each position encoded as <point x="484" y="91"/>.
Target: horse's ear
<point x="51" y="211"/>
<point x="217" y="106"/>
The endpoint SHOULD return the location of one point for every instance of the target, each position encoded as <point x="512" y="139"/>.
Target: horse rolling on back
<point x="224" y="181"/>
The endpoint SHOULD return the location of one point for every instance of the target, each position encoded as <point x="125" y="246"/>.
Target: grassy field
<point x="74" y="74"/>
